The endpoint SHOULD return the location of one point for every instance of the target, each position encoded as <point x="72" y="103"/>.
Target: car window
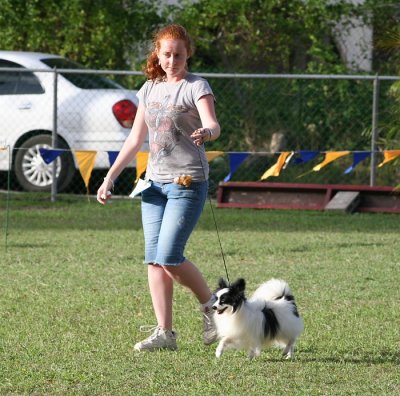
<point x="81" y="80"/>
<point x="18" y="83"/>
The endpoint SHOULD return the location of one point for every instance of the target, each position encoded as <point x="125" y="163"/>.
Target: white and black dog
<point x="269" y="317"/>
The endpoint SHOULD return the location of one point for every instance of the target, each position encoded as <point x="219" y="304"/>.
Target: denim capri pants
<point x="170" y="212"/>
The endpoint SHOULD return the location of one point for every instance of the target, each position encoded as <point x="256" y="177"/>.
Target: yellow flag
<point x="330" y="157"/>
<point x="275" y="170"/>
<point x="86" y="160"/>
<point x="389" y="155"/>
<point x="141" y="163"/>
<point x="211" y="155"/>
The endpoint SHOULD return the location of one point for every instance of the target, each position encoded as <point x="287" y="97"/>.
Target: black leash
<point x="215" y="220"/>
<point x="219" y="239"/>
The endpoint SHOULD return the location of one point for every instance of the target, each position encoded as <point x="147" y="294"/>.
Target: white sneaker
<point x="209" y="329"/>
<point x="160" y="339"/>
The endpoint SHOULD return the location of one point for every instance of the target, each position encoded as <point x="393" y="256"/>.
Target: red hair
<point x="153" y="70"/>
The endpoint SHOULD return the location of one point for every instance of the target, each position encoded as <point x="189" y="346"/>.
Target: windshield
<point x="81" y="80"/>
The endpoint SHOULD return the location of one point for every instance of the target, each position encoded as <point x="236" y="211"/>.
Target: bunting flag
<point x="211" y="155"/>
<point x="287" y="160"/>
<point x="389" y="155"/>
<point x="235" y="160"/>
<point x="49" y="155"/>
<point x="305" y="156"/>
<point x="141" y="163"/>
<point x="86" y="160"/>
<point x="275" y="170"/>
<point x="330" y="157"/>
<point x="357" y="158"/>
<point x="112" y="156"/>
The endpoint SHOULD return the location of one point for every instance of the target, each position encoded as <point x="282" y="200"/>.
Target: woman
<point x="177" y="109"/>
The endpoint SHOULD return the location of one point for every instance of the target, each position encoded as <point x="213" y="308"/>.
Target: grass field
<point x="73" y="294"/>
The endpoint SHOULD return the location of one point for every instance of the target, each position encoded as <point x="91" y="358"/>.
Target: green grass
<point x="73" y="294"/>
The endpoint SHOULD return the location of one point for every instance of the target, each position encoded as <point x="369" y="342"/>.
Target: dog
<point x="269" y="317"/>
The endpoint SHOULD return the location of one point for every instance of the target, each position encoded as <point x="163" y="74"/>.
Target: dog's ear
<point x="222" y="284"/>
<point x="240" y="285"/>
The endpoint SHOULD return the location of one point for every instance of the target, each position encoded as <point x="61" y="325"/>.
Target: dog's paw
<point x="253" y="353"/>
<point x="288" y="352"/>
<point x="289" y="355"/>
<point x="219" y="351"/>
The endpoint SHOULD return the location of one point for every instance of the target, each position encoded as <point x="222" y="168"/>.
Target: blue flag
<point x="49" y="155"/>
<point x="305" y="156"/>
<point x="235" y="159"/>
<point x="112" y="156"/>
<point x="357" y="158"/>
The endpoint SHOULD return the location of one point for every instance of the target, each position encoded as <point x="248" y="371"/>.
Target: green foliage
<point x="100" y="34"/>
<point x="385" y="17"/>
<point x="389" y="121"/>
<point x="321" y="114"/>
<point x="387" y="61"/>
<point x="250" y="36"/>
<point x="241" y="36"/>
<point x="276" y="36"/>
<point x="279" y="36"/>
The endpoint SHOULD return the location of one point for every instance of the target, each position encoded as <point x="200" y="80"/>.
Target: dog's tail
<point x="274" y="289"/>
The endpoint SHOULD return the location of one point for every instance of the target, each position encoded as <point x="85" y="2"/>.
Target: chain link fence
<point x="270" y="114"/>
<point x="91" y="111"/>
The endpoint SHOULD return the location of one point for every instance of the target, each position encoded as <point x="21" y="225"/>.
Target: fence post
<point x="54" y="136"/>
<point x="374" y="134"/>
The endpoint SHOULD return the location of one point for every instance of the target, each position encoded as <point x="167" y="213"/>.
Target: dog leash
<point x="215" y="221"/>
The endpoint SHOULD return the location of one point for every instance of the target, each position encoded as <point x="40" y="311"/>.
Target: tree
<point x="281" y="36"/>
<point x="274" y="36"/>
<point x="256" y="36"/>
<point x="98" y="33"/>
<point x="388" y="60"/>
<point x="385" y="17"/>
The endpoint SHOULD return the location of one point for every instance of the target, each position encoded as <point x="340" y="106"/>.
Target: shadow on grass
<point x="314" y="356"/>
<point x="30" y="245"/>
<point x="306" y="248"/>
<point x="353" y="357"/>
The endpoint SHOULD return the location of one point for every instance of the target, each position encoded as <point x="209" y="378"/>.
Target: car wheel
<point x="33" y="174"/>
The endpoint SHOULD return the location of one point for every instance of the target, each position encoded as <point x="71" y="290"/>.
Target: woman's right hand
<point x="104" y="191"/>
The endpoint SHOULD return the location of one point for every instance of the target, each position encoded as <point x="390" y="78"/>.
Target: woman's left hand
<point x="200" y="136"/>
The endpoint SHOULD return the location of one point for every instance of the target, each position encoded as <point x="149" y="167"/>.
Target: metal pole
<point x="8" y="197"/>
<point x="374" y="134"/>
<point x="54" y="136"/>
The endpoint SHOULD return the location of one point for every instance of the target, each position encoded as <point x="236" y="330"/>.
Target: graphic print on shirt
<point x="165" y="134"/>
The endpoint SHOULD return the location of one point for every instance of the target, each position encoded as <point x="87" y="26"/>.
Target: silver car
<point x="93" y="113"/>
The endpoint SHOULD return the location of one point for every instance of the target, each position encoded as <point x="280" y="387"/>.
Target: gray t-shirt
<point x="171" y="117"/>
